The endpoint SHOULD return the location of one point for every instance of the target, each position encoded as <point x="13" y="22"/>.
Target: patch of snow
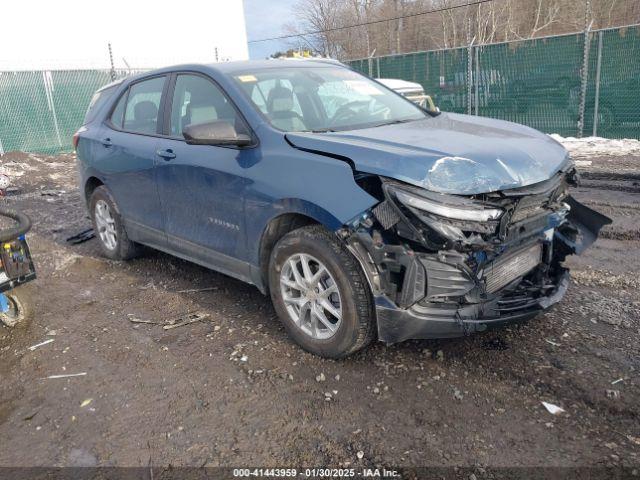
<point x="598" y="146"/>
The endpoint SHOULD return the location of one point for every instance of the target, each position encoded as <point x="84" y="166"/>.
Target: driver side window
<point x="198" y="100"/>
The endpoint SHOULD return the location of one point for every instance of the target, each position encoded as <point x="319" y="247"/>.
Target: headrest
<point x="280" y="100"/>
<point x="145" y="111"/>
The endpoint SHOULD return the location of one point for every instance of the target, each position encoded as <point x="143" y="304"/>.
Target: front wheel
<point x="320" y="293"/>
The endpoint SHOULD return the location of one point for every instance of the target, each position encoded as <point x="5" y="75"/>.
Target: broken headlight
<point x="447" y="206"/>
<point x="453" y="217"/>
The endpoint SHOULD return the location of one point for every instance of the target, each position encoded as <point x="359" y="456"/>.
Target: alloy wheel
<point x="311" y="296"/>
<point x="106" y="225"/>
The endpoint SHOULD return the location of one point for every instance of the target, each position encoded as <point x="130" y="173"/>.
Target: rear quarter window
<point x="97" y="101"/>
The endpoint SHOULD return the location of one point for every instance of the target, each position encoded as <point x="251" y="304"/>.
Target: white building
<point x="143" y="33"/>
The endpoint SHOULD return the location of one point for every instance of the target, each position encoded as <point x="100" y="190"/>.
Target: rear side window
<point x="99" y="98"/>
<point x="142" y="106"/>
<point x="118" y="113"/>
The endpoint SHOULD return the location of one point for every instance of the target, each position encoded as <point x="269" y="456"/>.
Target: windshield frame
<point x="234" y="77"/>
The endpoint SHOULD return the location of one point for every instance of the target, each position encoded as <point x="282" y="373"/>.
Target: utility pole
<point x="216" y="54"/>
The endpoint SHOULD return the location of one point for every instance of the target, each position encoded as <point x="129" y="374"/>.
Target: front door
<point x="202" y="187"/>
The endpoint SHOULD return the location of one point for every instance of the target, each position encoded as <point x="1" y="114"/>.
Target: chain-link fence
<point x="41" y="110"/>
<point x="540" y="82"/>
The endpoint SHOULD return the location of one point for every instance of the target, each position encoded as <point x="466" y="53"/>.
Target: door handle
<point x="166" y="154"/>
<point x="107" y="142"/>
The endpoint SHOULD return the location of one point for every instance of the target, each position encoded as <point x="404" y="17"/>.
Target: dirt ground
<point x="233" y="390"/>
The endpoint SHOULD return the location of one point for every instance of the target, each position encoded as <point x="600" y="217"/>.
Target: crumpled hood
<point x="450" y="153"/>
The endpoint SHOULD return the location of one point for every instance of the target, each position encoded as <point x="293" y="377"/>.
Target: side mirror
<point x="217" y="132"/>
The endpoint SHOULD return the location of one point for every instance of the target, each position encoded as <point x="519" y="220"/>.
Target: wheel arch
<point x="275" y="229"/>
<point x="90" y="185"/>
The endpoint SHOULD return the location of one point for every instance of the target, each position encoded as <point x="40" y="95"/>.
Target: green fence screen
<point x="535" y="82"/>
<point x="41" y="110"/>
<point x="541" y="83"/>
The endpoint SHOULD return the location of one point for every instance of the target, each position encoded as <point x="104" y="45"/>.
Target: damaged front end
<point x="443" y="265"/>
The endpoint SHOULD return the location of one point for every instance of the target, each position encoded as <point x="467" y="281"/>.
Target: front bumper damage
<point x="433" y="281"/>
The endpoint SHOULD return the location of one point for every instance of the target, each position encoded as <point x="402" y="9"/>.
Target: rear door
<point x="201" y="186"/>
<point x="127" y="157"/>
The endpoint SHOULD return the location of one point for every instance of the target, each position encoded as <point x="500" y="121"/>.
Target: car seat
<point x="280" y="110"/>
<point x="145" y="117"/>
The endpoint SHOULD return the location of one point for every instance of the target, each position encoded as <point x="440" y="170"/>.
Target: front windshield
<point x="323" y="99"/>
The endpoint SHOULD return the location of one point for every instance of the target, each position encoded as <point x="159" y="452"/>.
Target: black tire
<point x="357" y="326"/>
<point x="20" y="309"/>
<point x="124" y="249"/>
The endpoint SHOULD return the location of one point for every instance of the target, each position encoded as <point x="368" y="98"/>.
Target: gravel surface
<point x="231" y="389"/>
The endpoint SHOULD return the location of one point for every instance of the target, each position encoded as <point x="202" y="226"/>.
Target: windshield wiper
<point x="395" y="122"/>
<point x="321" y="130"/>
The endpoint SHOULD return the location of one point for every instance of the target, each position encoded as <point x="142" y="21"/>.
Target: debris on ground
<point x="134" y="319"/>
<point x="185" y="320"/>
<point x="86" y="402"/>
<point x="198" y="290"/>
<point x="30" y="416"/>
<point x="320" y="378"/>
<point x="81" y="237"/>
<point x="553" y="409"/>
<point x="174" y="323"/>
<point x="52" y="193"/>
<point x="67" y="375"/>
<point x="37" y="345"/>
<point x="614" y="394"/>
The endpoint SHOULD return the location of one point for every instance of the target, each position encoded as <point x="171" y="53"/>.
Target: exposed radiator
<point x="508" y="267"/>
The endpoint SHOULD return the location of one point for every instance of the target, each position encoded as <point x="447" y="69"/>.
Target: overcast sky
<point x="265" y="19"/>
<point x="38" y="34"/>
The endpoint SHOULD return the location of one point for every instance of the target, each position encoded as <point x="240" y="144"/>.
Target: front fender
<point x="260" y="216"/>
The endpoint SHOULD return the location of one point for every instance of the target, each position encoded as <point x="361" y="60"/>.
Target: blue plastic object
<point x="4" y="303"/>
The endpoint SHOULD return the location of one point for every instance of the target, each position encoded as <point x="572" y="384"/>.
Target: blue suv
<point x="361" y="214"/>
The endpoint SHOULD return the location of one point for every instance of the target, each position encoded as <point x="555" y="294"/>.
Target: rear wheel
<point x="320" y="293"/>
<point x="109" y="228"/>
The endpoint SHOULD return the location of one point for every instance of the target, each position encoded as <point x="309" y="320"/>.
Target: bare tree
<point x="356" y="28"/>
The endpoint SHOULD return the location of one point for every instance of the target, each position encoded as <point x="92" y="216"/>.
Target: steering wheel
<point x="346" y="111"/>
